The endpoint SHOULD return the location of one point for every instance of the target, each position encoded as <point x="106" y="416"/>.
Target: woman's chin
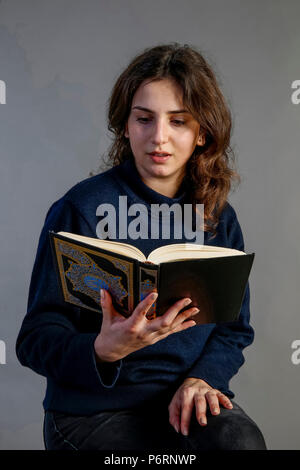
<point x="155" y="170"/>
<point x="160" y="170"/>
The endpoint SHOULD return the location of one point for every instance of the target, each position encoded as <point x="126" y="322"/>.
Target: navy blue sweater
<point x="56" y="339"/>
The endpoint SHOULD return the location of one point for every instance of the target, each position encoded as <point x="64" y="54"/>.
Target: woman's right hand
<point x="121" y="336"/>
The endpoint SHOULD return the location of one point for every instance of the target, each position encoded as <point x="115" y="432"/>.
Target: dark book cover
<point x="215" y="285"/>
<point x="83" y="270"/>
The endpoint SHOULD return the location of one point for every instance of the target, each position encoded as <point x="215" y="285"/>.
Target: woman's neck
<point x="166" y="185"/>
<point x="147" y="192"/>
<point x="163" y="186"/>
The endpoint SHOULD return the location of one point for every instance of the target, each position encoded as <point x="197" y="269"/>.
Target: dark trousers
<point x="149" y="430"/>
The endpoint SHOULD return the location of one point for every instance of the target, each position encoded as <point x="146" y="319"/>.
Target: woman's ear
<point x="201" y="139"/>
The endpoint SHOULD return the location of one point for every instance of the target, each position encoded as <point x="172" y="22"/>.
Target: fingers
<point x="186" y="411"/>
<point x="171" y="318"/>
<point x="172" y="312"/>
<point x="105" y="301"/>
<point x="186" y="397"/>
<point x="174" y="415"/>
<point x="143" y="307"/>
<point x="213" y="402"/>
<point x="183" y="326"/>
<point x="224" y="400"/>
<point x="213" y="398"/>
<point x="158" y="328"/>
<point x="183" y="402"/>
<point x="107" y="307"/>
<point x="182" y="317"/>
<point x="201" y="406"/>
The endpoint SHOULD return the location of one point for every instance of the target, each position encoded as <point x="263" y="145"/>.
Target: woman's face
<point x="158" y="122"/>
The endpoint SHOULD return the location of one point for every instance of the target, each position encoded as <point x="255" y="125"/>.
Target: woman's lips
<point x="159" y="158"/>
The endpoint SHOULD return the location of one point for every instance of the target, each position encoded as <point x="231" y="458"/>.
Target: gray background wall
<point x="59" y="60"/>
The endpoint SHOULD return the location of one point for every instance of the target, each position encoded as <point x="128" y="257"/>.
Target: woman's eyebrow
<point x="176" y="111"/>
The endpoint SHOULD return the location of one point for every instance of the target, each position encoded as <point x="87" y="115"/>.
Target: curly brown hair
<point x="209" y="171"/>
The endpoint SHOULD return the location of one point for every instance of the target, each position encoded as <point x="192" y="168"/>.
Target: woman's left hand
<point x="195" y="392"/>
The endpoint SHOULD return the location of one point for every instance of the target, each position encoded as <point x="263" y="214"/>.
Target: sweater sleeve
<point x="50" y="341"/>
<point x="223" y="354"/>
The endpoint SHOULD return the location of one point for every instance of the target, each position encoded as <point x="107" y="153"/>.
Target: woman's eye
<point x="175" y="121"/>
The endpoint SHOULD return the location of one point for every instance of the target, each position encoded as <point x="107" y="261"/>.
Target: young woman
<point x="116" y="383"/>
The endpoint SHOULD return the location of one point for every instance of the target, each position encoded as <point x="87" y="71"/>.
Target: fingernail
<point x="215" y="410"/>
<point x="176" y="429"/>
<point x="187" y="302"/>
<point x="202" y="420"/>
<point x="185" y="432"/>
<point x="102" y="294"/>
<point x="153" y="296"/>
<point x="196" y="311"/>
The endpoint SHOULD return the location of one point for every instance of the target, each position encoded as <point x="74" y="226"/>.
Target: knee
<point x="240" y="434"/>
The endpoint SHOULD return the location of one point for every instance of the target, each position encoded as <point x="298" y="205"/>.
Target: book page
<point x="115" y="247"/>
<point x="182" y="251"/>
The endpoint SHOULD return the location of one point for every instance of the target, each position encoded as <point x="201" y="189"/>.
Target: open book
<point x="215" y="278"/>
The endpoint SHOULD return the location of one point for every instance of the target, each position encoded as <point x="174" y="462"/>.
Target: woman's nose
<point x="160" y="132"/>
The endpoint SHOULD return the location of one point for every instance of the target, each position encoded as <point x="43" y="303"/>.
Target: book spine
<point x="135" y="282"/>
<point x="147" y="276"/>
<point x="158" y="290"/>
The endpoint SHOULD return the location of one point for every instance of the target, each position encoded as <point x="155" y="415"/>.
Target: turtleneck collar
<point x="128" y="173"/>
